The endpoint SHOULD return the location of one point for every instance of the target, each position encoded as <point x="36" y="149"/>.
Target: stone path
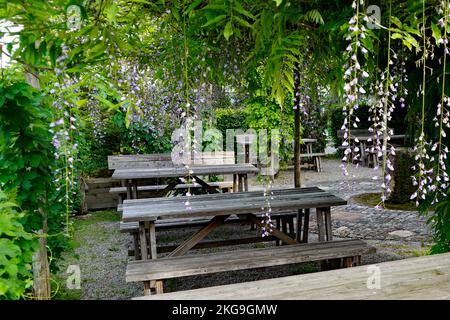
<point x="353" y="220"/>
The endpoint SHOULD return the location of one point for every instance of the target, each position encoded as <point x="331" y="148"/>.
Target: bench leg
<point x="159" y="287"/>
<point x="284" y="227"/>
<point x="277" y="225"/>
<point x="291" y="227"/>
<point x="320" y="224"/>
<point x="299" y="225"/>
<point x="328" y="226"/>
<point x="306" y="226"/>
<point x="324" y="224"/>
<point x="137" y="255"/>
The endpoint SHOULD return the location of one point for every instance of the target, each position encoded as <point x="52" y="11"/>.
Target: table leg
<point x="362" y="146"/>
<point x="206" y="186"/>
<point x="245" y="182"/>
<point x="137" y="252"/>
<point x="240" y="183"/>
<point x="277" y="225"/>
<point x="135" y="189"/>
<point x="235" y="183"/>
<point x="328" y="225"/>
<point x="320" y="224"/>
<point x="275" y="232"/>
<point x="129" y="191"/>
<point x="144" y="253"/>
<point x="299" y="225"/>
<point x="197" y="237"/>
<point x="153" y="255"/>
<point x="306" y="226"/>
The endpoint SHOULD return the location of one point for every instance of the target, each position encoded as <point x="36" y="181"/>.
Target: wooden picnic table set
<point x="203" y="213"/>
<point x="364" y="138"/>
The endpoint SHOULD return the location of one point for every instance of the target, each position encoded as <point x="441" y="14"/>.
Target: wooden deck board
<point x="426" y="277"/>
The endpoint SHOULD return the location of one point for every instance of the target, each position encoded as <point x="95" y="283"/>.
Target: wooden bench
<point x="225" y="186"/>
<point x="347" y="253"/>
<point x="417" y="278"/>
<point x="317" y="158"/>
<point x="164" y="160"/>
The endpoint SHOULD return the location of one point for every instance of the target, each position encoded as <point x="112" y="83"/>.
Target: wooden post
<point x="41" y="270"/>
<point x="297" y="172"/>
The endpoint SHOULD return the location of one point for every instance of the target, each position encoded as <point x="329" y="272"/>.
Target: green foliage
<point x="27" y="160"/>
<point x="263" y="114"/>
<point x="440" y="224"/>
<point x="230" y="119"/>
<point x="141" y="139"/>
<point x="16" y="251"/>
<point x="403" y="188"/>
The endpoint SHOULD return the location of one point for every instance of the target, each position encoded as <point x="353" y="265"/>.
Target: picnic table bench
<point x="347" y="252"/>
<point x="312" y="159"/>
<point x="132" y="176"/>
<point x="163" y="163"/>
<point x="221" y="206"/>
<point x="418" y="278"/>
<point x="369" y="155"/>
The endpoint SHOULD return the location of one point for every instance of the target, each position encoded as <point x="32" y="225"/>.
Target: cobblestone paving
<point x="353" y="220"/>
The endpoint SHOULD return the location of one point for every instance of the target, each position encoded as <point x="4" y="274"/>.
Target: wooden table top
<point x="181" y="171"/>
<point x="226" y="204"/>
<point x="426" y="277"/>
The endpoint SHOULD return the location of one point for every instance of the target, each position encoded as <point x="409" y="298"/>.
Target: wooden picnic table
<point x="364" y="138"/>
<point x="130" y="176"/>
<point x="426" y="277"/>
<point x="222" y="205"/>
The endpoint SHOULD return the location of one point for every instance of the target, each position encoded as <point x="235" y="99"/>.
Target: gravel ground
<point x="101" y="250"/>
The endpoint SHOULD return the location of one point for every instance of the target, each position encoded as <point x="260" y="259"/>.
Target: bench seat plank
<point x="220" y="184"/>
<point x="166" y="268"/>
<point x="316" y="154"/>
<point x="127" y="227"/>
<point x="426" y="277"/>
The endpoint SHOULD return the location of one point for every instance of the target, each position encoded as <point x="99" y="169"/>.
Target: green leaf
<point x="215" y="20"/>
<point x="436" y="32"/>
<point x="243" y="22"/>
<point x="111" y="12"/>
<point x="228" y="31"/>
<point x="237" y="7"/>
<point x="81" y="103"/>
<point x="396" y="36"/>
<point x="193" y="5"/>
<point x="278" y="2"/>
<point x="215" y="7"/>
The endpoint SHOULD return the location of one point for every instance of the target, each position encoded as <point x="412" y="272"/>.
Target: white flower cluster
<point x="354" y="77"/>
<point x="267" y="219"/>
<point x="432" y="178"/>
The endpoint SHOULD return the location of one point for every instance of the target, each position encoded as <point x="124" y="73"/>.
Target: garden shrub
<point x="403" y="187"/>
<point x="28" y="166"/>
<point x="264" y="114"/>
<point x="440" y="224"/>
<point x="16" y="251"/>
<point x="230" y="119"/>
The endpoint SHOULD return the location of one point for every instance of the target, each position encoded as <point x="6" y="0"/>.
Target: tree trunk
<point x="41" y="270"/>
<point x="297" y="172"/>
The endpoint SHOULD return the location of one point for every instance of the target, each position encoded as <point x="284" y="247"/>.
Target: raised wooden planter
<point x="97" y="195"/>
